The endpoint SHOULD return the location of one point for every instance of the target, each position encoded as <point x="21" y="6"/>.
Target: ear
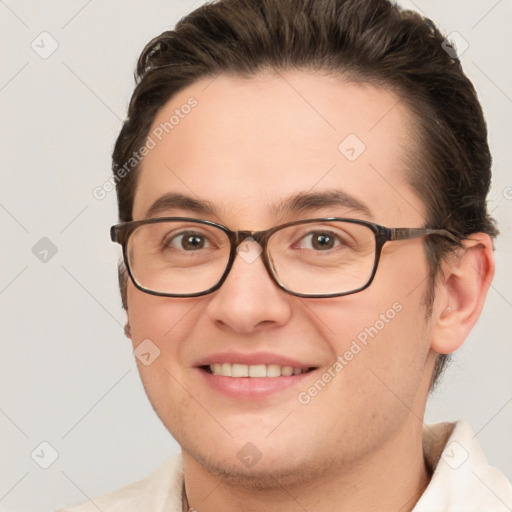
<point x="460" y="292"/>
<point x="128" y="330"/>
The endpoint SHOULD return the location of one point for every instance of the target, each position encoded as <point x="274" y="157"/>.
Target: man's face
<point x="247" y="146"/>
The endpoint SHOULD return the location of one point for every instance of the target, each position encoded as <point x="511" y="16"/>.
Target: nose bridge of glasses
<point x="249" y="237"/>
<point x="249" y="245"/>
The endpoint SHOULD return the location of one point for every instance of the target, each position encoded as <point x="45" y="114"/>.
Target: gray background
<point x="67" y="372"/>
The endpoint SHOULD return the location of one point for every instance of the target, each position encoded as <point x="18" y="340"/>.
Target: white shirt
<point x="462" y="480"/>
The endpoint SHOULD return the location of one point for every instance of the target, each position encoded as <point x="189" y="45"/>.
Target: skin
<point x="248" y="144"/>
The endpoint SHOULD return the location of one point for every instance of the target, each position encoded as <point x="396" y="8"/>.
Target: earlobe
<point x="460" y="293"/>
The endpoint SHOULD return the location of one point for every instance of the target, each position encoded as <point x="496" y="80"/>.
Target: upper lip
<point x="252" y="359"/>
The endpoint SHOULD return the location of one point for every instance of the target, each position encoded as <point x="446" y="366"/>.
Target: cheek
<point x="385" y="335"/>
<point x="377" y="377"/>
<point x="380" y="335"/>
<point x="159" y="327"/>
<point x="378" y="372"/>
<point x="157" y="318"/>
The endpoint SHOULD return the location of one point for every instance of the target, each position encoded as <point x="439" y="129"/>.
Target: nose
<point x="249" y="301"/>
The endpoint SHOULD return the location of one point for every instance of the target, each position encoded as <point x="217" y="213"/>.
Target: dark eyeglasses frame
<point x="120" y="233"/>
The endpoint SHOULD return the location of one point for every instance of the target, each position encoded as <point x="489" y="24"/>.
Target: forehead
<point x="244" y="144"/>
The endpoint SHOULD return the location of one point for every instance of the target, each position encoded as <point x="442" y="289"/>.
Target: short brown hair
<point x="372" y="41"/>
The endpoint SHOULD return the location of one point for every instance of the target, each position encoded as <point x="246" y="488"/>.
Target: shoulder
<point x="160" y="491"/>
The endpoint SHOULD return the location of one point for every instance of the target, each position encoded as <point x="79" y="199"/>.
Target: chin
<point x="270" y="464"/>
<point x="267" y="473"/>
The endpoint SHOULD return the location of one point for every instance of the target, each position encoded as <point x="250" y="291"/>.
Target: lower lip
<point x="251" y="388"/>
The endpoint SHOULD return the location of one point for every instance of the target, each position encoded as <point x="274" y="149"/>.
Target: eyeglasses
<point x="314" y="258"/>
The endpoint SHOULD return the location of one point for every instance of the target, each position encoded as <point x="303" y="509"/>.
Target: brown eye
<point x="192" y="242"/>
<point x="322" y="241"/>
<point x="187" y="242"/>
<point x="319" y="241"/>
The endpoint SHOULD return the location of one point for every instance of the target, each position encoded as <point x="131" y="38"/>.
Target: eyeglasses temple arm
<point x="408" y="233"/>
<point x="114" y="234"/>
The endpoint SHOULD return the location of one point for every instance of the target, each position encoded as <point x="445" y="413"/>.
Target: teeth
<point x="224" y="369"/>
<point x="287" y="370"/>
<point x="273" y="370"/>
<point x="239" y="370"/>
<point x="254" y="370"/>
<point x="257" y="370"/>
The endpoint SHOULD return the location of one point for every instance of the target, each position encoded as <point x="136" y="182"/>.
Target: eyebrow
<point x="307" y="201"/>
<point x="174" y="201"/>
<point x="299" y="203"/>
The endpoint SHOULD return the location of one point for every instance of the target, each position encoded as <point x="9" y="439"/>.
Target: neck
<point x="391" y="479"/>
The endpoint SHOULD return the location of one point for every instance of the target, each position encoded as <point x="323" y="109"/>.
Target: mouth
<point x="254" y="376"/>
<point x="238" y="370"/>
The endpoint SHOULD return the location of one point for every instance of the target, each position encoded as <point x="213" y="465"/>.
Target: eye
<point x="188" y="241"/>
<point x="319" y="241"/>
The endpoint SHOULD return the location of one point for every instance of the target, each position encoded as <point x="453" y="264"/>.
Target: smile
<point x="253" y="370"/>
